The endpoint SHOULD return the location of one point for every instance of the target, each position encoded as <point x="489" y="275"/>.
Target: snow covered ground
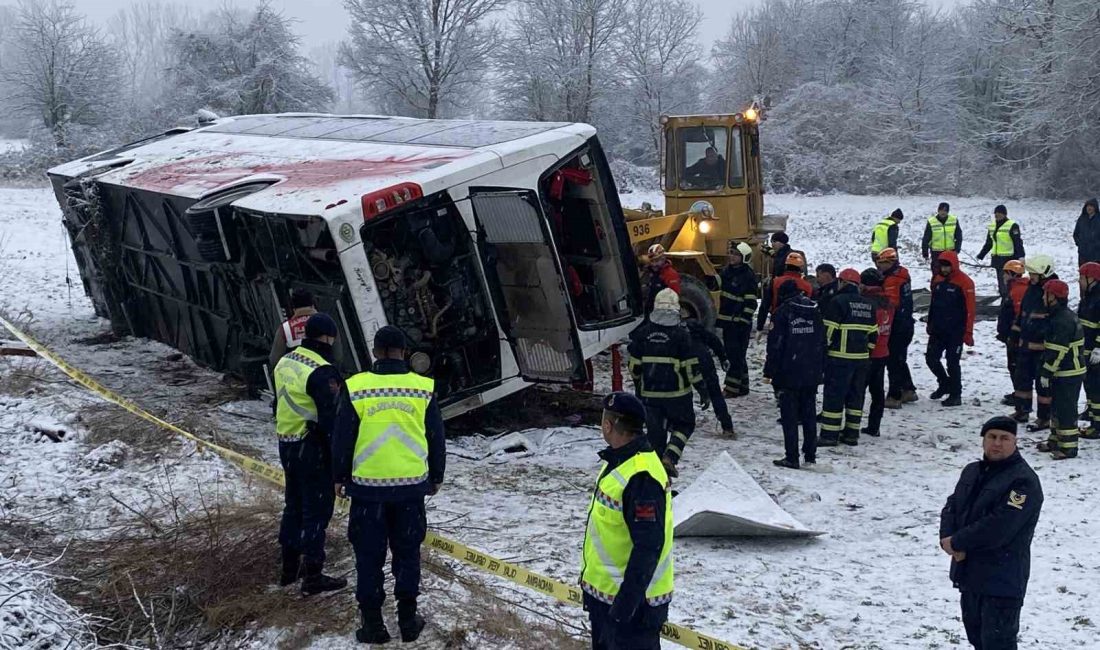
<point x="12" y="145"/>
<point x="876" y="580"/>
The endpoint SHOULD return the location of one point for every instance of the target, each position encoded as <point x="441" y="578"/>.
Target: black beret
<point x="897" y="214"/>
<point x="781" y="237"/>
<point x="625" y="405"/>
<point x="320" y="325"/>
<point x="1000" y="209"/>
<point x="1000" y="422"/>
<point x="390" y="338"/>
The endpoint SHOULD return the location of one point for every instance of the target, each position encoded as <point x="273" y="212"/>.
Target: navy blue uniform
<point x="307" y="465"/>
<point x="795" y="362"/>
<point x="706" y="342"/>
<point x="824" y="293"/>
<point x="1033" y="325"/>
<point x="387" y="516"/>
<point x="1088" y="311"/>
<point x="740" y="288"/>
<point x="851" y="329"/>
<point x="991" y="517"/>
<point x="1086" y="234"/>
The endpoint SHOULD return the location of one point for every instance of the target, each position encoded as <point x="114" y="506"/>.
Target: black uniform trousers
<point x="842" y="402"/>
<point x="798" y="406"/>
<point x="372" y="527"/>
<point x="998" y="264"/>
<point x="876" y="386"/>
<point x="1064" y="392"/>
<point x="991" y="623"/>
<point x="714" y="390"/>
<point x="901" y="379"/>
<point x="669" y="423"/>
<point x="643" y="632"/>
<point x="308" y="498"/>
<point x="938" y="351"/>
<point x="1029" y="363"/>
<point x="735" y="337"/>
<point x="1092" y="393"/>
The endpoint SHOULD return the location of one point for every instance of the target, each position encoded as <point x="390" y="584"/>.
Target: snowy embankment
<point x="32" y="615"/>
<point x="876" y="580"/>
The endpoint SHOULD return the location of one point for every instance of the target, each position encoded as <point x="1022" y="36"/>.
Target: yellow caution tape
<point x="459" y="551"/>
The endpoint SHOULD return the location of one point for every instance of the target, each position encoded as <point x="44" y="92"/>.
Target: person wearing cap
<point x="951" y="315"/>
<point x="736" y="307"/>
<point x="1003" y="240"/>
<point x="389" y="454"/>
<point x="664" y="367"/>
<point x="309" y="395"/>
<point x="851" y="332"/>
<point x="1008" y="331"/>
<point x="1064" y="368"/>
<point x="1086" y="233"/>
<point x="293" y="330"/>
<point x="987" y="526"/>
<point x="885" y="233"/>
<point x="897" y="287"/>
<point x="660" y="274"/>
<point x="871" y="280"/>
<point x="793" y="366"/>
<point x="1088" y="312"/>
<point x="1032" y="326"/>
<point x="941" y="233"/>
<point x="794" y="269"/>
<point x="626" y="565"/>
<point x="778" y="249"/>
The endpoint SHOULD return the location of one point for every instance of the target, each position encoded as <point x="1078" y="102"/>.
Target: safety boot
<point x="1020" y="416"/>
<point x="1039" y="425"/>
<point x="954" y="400"/>
<point x="729" y="433"/>
<point x="784" y="462"/>
<point x="1058" y="454"/>
<point x="291" y="571"/>
<point x="1009" y="399"/>
<point x="1045" y="446"/>
<point x="892" y="403"/>
<point x="939" y="393"/>
<point x="1090" y="433"/>
<point x="827" y="441"/>
<point x="411" y="623"/>
<point x="851" y="441"/>
<point x="372" y="629"/>
<point x="908" y="396"/>
<point x="868" y="431"/>
<point x="315" y="582"/>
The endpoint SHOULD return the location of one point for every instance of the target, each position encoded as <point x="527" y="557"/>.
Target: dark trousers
<point x="876" y="380"/>
<point x="736" y="339"/>
<point x="372" y="527"/>
<point x="643" y="632"/>
<point x="1026" y="382"/>
<point x="714" y="390"/>
<point x="669" y="423"/>
<point x="940" y="350"/>
<point x="308" y="498"/>
<point x="1092" y="393"/>
<point x="897" y="366"/>
<point x="1064" y="392"/>
<point x="998" y="264"/>
<point x="842" y="402"/>
<point x="798" y="406"/>
<point x="991" y="623"/>
<point x="1011" y="349"/>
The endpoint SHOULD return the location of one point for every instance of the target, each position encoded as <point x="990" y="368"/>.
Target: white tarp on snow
<point x="725" y="502"/>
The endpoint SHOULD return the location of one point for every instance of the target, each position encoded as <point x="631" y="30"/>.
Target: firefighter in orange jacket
<point x="795" y="269"/>
<point x="1008" y="332"/>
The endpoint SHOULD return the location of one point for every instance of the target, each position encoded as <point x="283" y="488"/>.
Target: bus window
<point x="737" y="165"/>
<point x="703" y="152"/>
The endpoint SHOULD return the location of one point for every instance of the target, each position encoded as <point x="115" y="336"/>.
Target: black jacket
<point x="1064" y="354"/>
<point x="1088" y="311"/>
<point x="824" y="293"/>
<point x="740" y="288"/>
<point x="663" y="361"/>
<point x="947" y="314"/>
<point x="991" y="517"/>
<point x="1017" y="243"/>
<point x="347" y="432"/>
<point x="850" y="312"/>
<point x="325" y="387"/>
<point x="1086" y="234"/>
<point x="1032" y="321"/>
<point x="796" y="345"/>
<point x="647" y="533"/>
<point x="706" y="342"/>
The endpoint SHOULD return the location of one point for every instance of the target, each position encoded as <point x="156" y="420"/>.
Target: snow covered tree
<point x="422" y="58"/>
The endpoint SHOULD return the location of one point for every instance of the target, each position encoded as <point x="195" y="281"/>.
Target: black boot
<point x="411" y="623"/>
<point x="315" y="582"/>
<point x="940" y="393"/>
<point x="953" y="400"/>
<point x="372" y="628"/>
<point x="785" y="462"/>
<point x="291" y="566"/>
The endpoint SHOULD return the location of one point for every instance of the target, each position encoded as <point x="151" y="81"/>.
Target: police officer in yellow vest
<point x="885" y="233"/>
<point x="941" y="233"/>
<point x="309" y="393"/>
<point x="626" y="570"/>
<point x="389" y="453"/>
<point x="1004" y="241"/>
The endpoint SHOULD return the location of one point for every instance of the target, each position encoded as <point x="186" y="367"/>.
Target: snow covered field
<point x="876" y="580"/>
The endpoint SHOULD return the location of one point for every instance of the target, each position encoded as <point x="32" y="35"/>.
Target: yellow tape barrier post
<point x="473" y="557"/>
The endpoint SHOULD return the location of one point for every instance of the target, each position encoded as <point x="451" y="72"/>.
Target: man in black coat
<point x="1086" y="234"/>
<point x="986" y="527"/>
<point x="707" y="342"/>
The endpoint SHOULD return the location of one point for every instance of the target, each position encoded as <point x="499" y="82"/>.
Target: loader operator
<point x="735" y="311"/>
<point x="664" y="368"/>
<point x="708" y="172"/>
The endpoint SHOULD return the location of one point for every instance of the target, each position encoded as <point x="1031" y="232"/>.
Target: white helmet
<point x="744" y="250"/>
<point x="1042" y="265"/>
<point x="656" y="251"/>
<point x="667" y="299"/>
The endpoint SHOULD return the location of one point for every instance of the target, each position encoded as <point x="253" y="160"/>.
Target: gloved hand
<point x="704" y="402"/>
<point x="1044" y="382"/>
<point x="1094" y="357"/>
<point x="725" y="364"/>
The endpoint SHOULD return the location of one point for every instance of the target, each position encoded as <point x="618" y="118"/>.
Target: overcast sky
<point x="321" y="21"/>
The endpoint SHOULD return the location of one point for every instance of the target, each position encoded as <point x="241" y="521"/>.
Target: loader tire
<point x="695" y="301"/>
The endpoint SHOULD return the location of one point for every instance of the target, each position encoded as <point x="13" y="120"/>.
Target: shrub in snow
<point x="32" y="615"/>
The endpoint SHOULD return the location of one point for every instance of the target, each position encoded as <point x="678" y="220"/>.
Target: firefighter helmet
<point x="849" y="275"/>
<point x="888" y="255"/>
<point x="742" y="249"/>
<point x="667" y="299"/>
<point x="1041" y="265"/>
<point x="1091" y="270"/>
<point x="1057" y="288"/>
<point x="1017" y="267"/>
<point x="656" y="252"/>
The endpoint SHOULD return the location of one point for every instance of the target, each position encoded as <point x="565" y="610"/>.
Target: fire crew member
<point x="660" y="274"/>
<point x="707" y="343"/>
<point x="735" y="311"/>
<point x="941" y="233"/>
<point x="1064" y="367"/>
<point x="794" y="270"/>
<point x="897" y="287"/>
<point x="950" y="325"/>
<point x="1088" y="311"/>
<point x="885" y="233"/>
<point x="827" y="285"/>
<point x="664" y="367"/>
<point x="1008" y="330"/>
<point x="309" y="392"/>
<point x="850" y="333"/>
<point x="626" y="567"/>
<point x="1032" y="325"/>
<point x="390" y="452"/>
<point x="779" y="250"/>
<point x="1004" y="242"/>
<point x="871" y="280"/>
<point x="986" y="527"/>
<point x="1086" y="234"/>
<point x="293" y="330"/>
<point x="794" y="365"/>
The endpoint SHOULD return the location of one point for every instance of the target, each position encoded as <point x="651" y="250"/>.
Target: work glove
<point x="704" y="402"/>
<point x="725" y="365"/>
<point x="1044" y="382"/>
<point x="1094" y="357"/>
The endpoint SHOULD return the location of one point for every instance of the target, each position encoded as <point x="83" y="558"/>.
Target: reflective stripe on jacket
<point x="294" y="408"/>
<point x="943" y="234"/>
<point x="1000" y="234"/>
<point x="392" y="445"/>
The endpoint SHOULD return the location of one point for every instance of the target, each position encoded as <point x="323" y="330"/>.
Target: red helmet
<point x="849" y="275"/>
<point x="1057" y="288"/>
<point x="1091" y="270"/>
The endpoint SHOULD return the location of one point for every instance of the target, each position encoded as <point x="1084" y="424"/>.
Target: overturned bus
<point x="498" y="247"/>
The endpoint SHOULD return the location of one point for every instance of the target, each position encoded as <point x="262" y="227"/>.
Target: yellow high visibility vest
<point x="880" y="235"/>
<point x="943" y="234"/>
<point x="1002" y="238"/>
<point x="294" y="408"/>
<point x="392" y="447"/>
<point x="607" y="543"/>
